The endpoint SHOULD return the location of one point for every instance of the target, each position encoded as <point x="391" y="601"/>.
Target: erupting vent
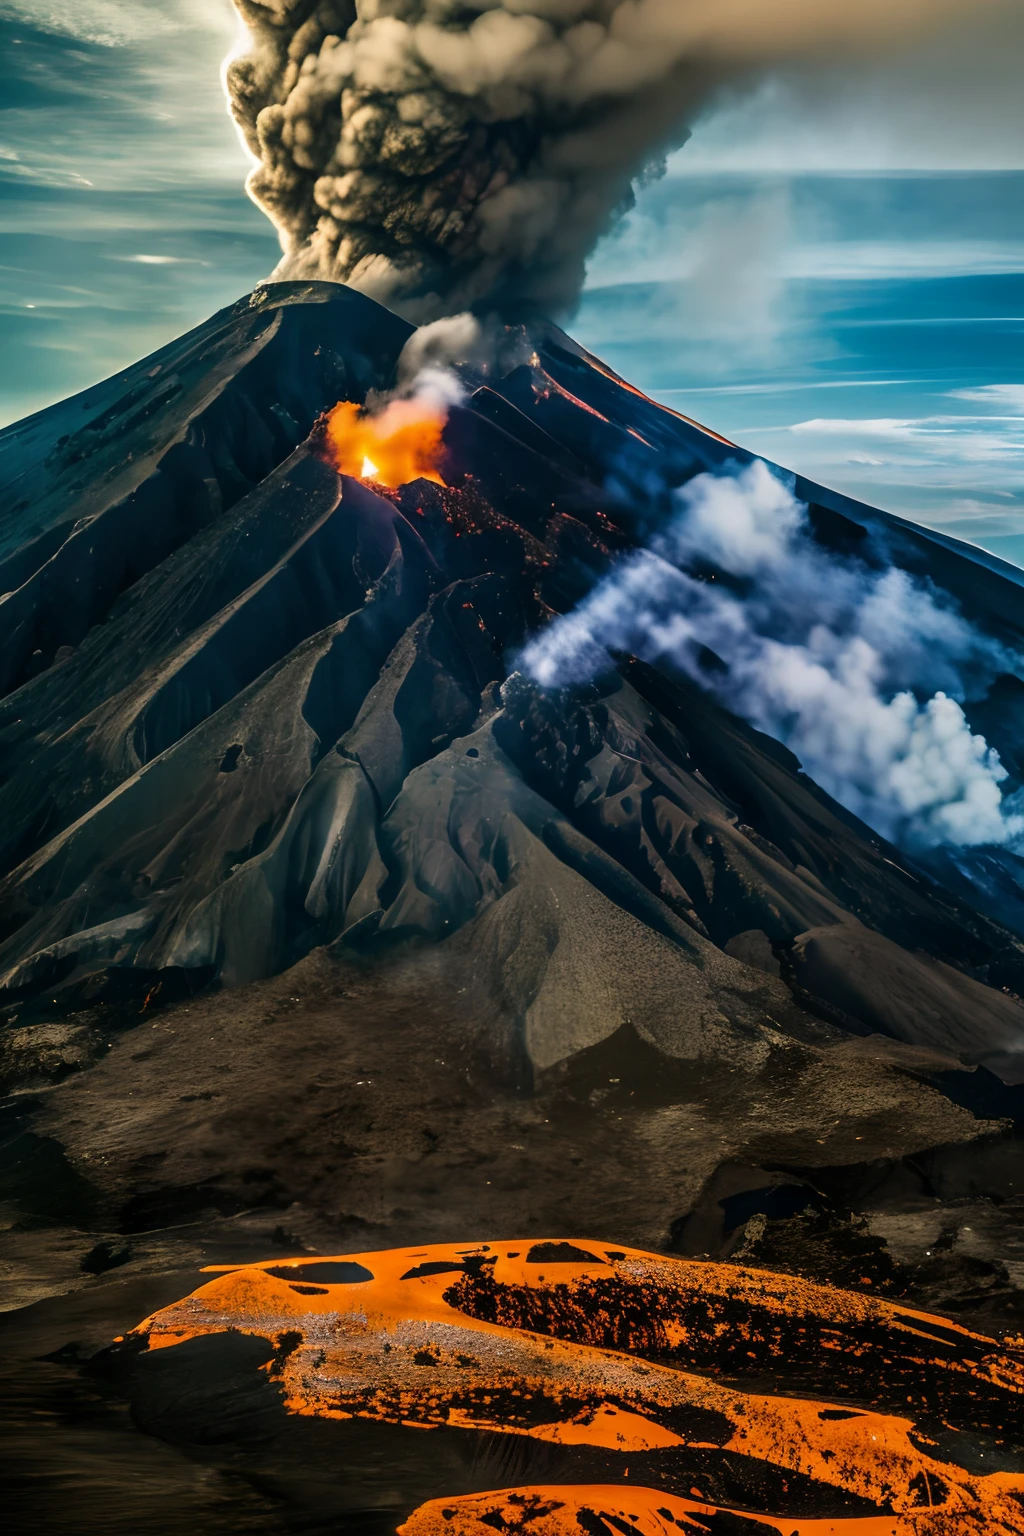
<point x="403" y="442"/>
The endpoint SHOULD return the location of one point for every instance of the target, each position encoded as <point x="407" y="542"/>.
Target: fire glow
<point x="402" y="442"/>
<point x="634" y="1354"/>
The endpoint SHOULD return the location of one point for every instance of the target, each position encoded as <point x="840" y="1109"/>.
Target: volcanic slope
<point x="253" y="707"/>
<point x="323" y="928"/>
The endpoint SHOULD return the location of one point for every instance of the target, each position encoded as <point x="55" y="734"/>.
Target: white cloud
<point x="119" y="23"/>
<point x="884" y="260"/>
<point x="161" y="261"/>
<point x="967" y="443"/>
<point x="1004" y="396"/>
<point x="887" y="428"/>
<point x="861" y="672"/>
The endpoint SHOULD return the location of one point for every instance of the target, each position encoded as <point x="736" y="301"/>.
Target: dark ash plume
<point x="450" y="154"/>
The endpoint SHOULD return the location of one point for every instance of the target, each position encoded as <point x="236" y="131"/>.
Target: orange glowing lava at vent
<point x="390" y="447"/>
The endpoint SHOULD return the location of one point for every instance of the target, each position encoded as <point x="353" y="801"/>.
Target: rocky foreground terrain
<point x="323" y="931"/>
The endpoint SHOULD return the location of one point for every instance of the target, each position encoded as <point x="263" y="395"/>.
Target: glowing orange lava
<point x="609" y="373"/>
<point x="390" y="447"/>
<point x="582" y="1510"/>
<point x="581" y="1345"/>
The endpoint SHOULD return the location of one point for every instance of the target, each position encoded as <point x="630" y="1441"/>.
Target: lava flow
<point x="402" y="442"/>
<point x="592" y="1510"/>
<point x="641" y="1358"/>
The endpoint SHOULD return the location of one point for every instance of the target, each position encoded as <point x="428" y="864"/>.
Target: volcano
<point x="327" y="936"/>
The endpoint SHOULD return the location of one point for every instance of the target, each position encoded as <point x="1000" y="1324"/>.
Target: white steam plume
<point x="441" y="345"/>
<point x="860" y="672"/>
<point x="446" y="154"/>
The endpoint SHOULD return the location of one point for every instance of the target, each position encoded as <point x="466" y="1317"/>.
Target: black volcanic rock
<point x="254" y="707"/>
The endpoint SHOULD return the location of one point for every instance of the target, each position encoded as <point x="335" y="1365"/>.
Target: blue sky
<point x="831" y="272"/>
<point x="123" y="219"/>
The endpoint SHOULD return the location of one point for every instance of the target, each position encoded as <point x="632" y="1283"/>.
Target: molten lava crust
<point x="681" y="1374"/>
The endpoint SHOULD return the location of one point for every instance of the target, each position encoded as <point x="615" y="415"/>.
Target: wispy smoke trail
<point x="860" y="672"/>
<point x="441" y="154"/>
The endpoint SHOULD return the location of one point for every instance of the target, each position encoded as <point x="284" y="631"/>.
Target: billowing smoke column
<point x="859" y="671"/>
<point x="446" y="154"/>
